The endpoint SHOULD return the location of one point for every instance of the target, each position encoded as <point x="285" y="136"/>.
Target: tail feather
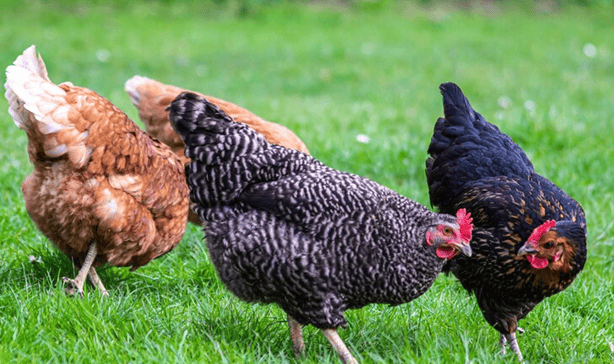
<point x="220" y="148"/>
<point x="39" y="107"/>
<point x="210" y="135"/>
<point x="30" y="63"/>
<point x="29" y="92"/>
<point x="460" y="120"/>
<point x="455" y="104"/>
<point x="152" y="98"/>
<point x="467" y="148"/>
<point x="146" y="90"/>
<point x="464" y="131"/>
<point x="132" y="88"/>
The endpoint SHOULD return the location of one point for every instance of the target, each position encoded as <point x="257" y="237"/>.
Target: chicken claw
<point x="511" y="338"/>
<point x="75" y="286"/>
<point x="93" y="276"/>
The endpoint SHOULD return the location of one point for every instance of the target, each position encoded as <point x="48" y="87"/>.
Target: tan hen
<point x="102" y="190"/>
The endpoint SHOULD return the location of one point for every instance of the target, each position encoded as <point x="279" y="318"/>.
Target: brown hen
<point x="102" y="190"/>
<point x="152" y="99"/>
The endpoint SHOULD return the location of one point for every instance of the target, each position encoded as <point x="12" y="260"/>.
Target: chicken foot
<point x="79" y="281"/>
<point x="296" y="334"/>
<point x="511" y="338"/>
<point x="340" y="348"/>
<point x="94" y="279"/>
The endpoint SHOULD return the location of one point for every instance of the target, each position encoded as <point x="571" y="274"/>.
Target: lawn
<point x="331" y="73"/>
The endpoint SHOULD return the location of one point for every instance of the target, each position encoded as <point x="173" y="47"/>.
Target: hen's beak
<point x="527" y="249"/>
<point x="458" y="245"/>
<point x="466" y="249"/>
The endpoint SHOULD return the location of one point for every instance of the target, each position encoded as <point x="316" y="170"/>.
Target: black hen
<point x="529" y="240"/>
<point x="283" y="228"/>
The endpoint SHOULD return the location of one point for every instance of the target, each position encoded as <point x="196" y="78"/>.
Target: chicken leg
<point x="340" y="348"/>
<point x="297" y="336"/>
<point x="77" y="283"/>
<point x="511" y="338"/>
<point x="93" y="276"/>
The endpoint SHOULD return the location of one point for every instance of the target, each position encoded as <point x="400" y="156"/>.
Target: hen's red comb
<point x="539" y="231"/>
<point x="464" y="222"/>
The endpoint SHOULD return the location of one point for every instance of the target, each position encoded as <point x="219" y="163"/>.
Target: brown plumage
<point x="152" y="99"/>
<point x="102" y="190"/>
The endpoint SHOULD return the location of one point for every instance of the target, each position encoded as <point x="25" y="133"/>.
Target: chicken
<point x="102" y="190"/>
<point x="152" y="99"/>
<point x="283" y="228"/>
<point x="529" y="240"/>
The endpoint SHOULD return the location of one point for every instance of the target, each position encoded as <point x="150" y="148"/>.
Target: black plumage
<point x="283" y="228"/>
<point x="529" y="240"/>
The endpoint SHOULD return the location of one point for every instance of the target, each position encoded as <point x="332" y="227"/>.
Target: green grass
<point x="330" y="73"/>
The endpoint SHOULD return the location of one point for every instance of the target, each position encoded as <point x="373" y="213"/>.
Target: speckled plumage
<point x="473" y="165"/>
<point x="152" y="99"/>
<point x="282" y="227"/>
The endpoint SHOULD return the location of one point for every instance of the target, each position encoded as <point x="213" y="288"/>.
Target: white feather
<point x="47" y="105"/>
<point x="57" y="151"/>
<point x="132" y="86"/>
<point x="51" y="89"/>
<point x="34" y="99"/>
<point x="34" y="93"/>
<point x="32" y="62"/>
<point x="48" y="125"/>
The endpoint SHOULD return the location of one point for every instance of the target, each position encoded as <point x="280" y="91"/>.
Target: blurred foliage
<point x="241" y="8"/>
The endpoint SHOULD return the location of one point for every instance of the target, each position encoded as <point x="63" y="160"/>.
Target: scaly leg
<point x="297" y="336"/>
<point x="93" y="276"/>
<point x="340" y="348"/>
<point x="502" y="342"/>
<point x="511" y="338"/>
<point x="77" y="283"/>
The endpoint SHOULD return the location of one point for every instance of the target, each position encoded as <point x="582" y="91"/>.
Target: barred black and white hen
<point x="283" y="228"/>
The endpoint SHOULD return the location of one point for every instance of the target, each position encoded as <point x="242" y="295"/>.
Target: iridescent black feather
<point x="473" y="165"/>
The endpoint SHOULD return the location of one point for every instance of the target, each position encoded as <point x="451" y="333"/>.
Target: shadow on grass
<point x="39" y="265"/>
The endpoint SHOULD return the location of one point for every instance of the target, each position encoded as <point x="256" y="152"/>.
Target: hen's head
<point x="553" y="244"/>
<point x="451" y="238"/>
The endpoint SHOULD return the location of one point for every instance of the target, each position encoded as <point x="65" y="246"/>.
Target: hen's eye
<point x="549" y="245"/>
<point x="447" y="230"/>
